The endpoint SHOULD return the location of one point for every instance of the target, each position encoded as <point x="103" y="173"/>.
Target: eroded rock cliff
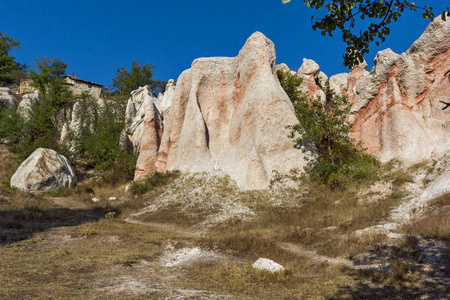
<point x="227" y="116"/>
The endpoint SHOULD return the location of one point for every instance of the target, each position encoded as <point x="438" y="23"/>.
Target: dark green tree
<point x="347" y="15"/>
<point x="139" y="75"/>
<point x="7" y="63"/>
<point x="42" y="123"/>
<point x="99" y="138"/>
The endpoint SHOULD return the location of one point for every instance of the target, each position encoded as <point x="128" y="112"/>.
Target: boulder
<point x="6" y="98"/>
<point x="338" y="83"/>
<point x="398" y="113"/>
<point x="228" y="116"/>
<point x="283" y="67"/>
<point x="268" y="265"/>
<point x="309" y="67"/>
<point x="44" y="171"/>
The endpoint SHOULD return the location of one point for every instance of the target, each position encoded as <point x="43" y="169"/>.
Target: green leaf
<point x="285" y="1"/>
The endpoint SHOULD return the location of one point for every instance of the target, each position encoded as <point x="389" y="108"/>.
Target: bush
<point x="98" y="140"/>
<point x="151" y="180"/>
<point x="323" y="129"/>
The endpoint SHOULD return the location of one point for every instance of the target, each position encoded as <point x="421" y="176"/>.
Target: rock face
<point x="338" y="83"/>
<point x="26" y="104"/>
<point x="6" y="98"/>
<point x="167" y="98"/>
<point x="144" y="128"/>
<point x="398" y="113"/>
<point x="397" y="108"/>
<point x="44" y="171"/>
<point x="227" y="116"/>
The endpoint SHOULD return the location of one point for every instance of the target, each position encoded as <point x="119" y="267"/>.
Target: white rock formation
<point x="144" y="127"/>
<point x="268" y="265"/>
<point x="167" y="98"/>
<point x="6" y="98"/>
<point x="44" y="171"/>
<point x="438" y="187"/>
<point x="338" y="83"/>
<point x="228" y="115"/>
<point x="308" y="67"/>
<point x="321" y="78"/>
<point x="28" y="100"/>
<point x="398" y="110"/>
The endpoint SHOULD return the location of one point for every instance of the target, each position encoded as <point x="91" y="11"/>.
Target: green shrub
<point x="323" y="129"/>
<point x="99" y="137"/>
<point x="151" y="180"/>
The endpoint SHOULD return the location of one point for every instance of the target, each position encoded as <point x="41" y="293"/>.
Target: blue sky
<point x="95" y="37"/>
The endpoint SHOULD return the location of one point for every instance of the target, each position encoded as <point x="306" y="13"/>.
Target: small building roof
<point x="81" y="80"/>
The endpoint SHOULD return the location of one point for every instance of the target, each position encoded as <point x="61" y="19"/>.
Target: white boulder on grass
<point x="268" y="265"/>
<point x="44" y="171"/>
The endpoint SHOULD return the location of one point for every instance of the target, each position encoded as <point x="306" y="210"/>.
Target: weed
<point x="435" y="222"/>
<point x="401" y="177"/>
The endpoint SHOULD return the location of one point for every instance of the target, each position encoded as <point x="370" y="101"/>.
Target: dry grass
<point x="66" y="246"/>
<point x="435" y="223"/>
<point x="64" y="262"/>
<point x="302" y="279"/>
<point x="324" y="222"/>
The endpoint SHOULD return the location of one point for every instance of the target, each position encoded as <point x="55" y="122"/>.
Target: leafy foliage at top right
<point x="343" y="15"/>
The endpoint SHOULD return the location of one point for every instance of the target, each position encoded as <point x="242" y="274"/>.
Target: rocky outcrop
<point x="338" y="83"/>
<point x="44" y="171"/>
<point x="6" y="98"/>
<point x="228" y="116"/>
<point x="167" y="98"/>
<point x="28" y="100"/>
<point x="311" y="76"/>
<point x="397" y="113"/>
<point x="398" y="110"/>
<point x="144" y="126"/>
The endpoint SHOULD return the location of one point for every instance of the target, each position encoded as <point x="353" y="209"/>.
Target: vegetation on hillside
<point x="10" y="70"/>
<point x="140" y="75"/>
<point x="323" y="128"/>
<point x="96" y="140"/>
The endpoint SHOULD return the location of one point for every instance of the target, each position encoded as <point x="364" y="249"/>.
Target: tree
<point x="140" y="75"/>
<point x="323" y="128"/>
<point x="54" y="95"/>
<point x="7" y="63"/>
<point x="343" y="15"/>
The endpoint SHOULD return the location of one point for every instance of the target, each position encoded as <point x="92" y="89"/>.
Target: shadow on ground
<point x="428" y="289"/>
<point x="21" y="224"/>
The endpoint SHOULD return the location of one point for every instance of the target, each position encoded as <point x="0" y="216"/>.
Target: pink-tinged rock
<point x="401" y="116"/>
<point x="229" y="116"/>
<point x="144" y="128"/>
<point x="355" y="76"/>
